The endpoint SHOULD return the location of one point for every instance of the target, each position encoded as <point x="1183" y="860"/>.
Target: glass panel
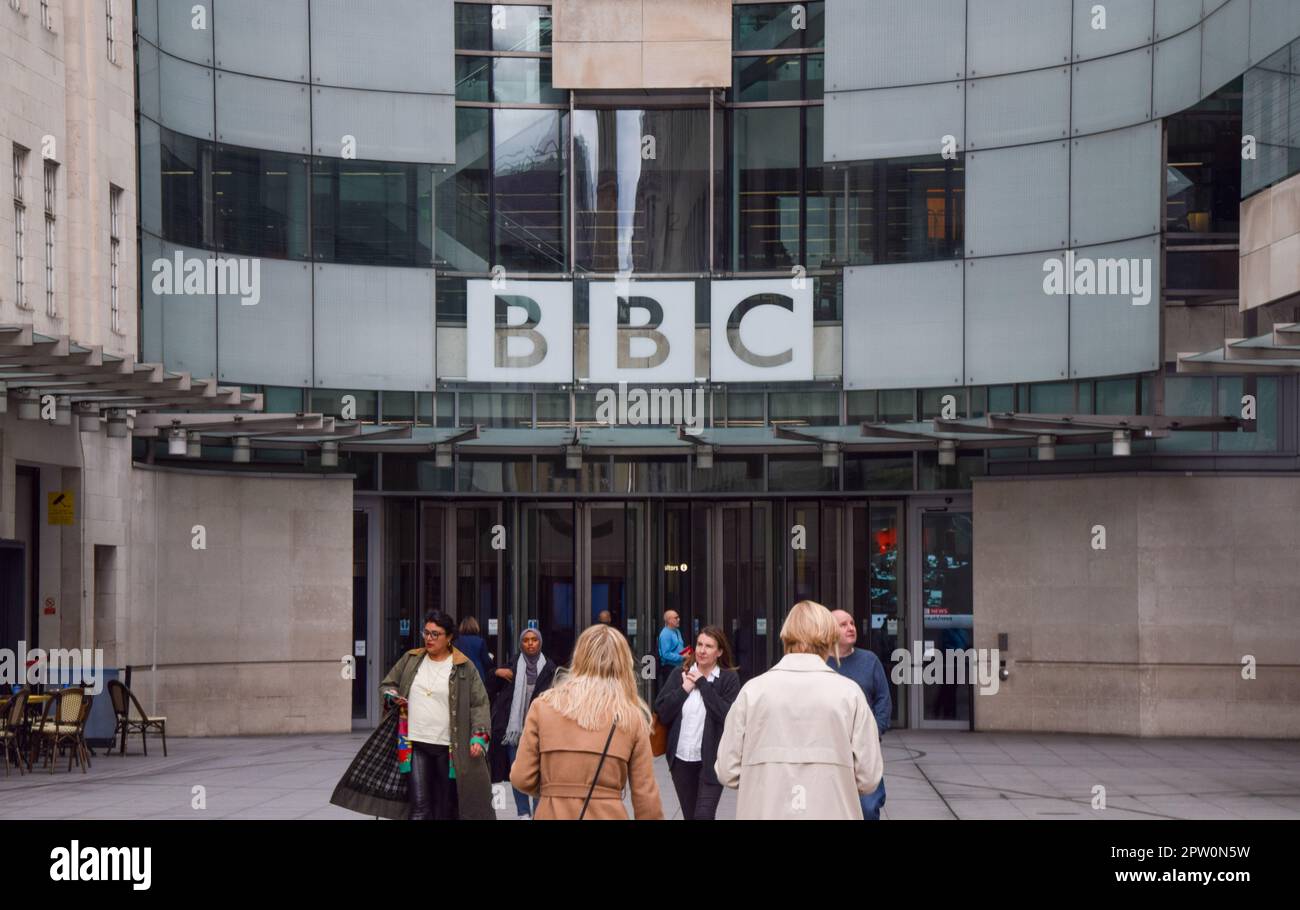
<point x="946" y="615"/>
<point x="805" y="575"/>
<point x="1117" y="396"/>
<point x="464" y="205"/>
<point x="1188" y="396"/>
<point x="636" y="210"/>
<point x="881" y="625"/>
<point x="933" y="403"/>
<point x="734" y="473"/>
<point x="432" y="520"/>
<point x="398" y="407"/>
<point x="805" y="409"/>
<point x="281" y="400"/>
<point x="450" y="300"/>
<point x="1052" y="398"/>
<point x="773" y="26"/>
<point x="330" y="403"/>
<point x="1216" y="271"/>
<point x="1203" y="177"/>
<point x="182" y="188"/>
<point x="814" y="77"/>
<point x="766" y="187"/>
<point x="360" y="608"/>
<point x="521" y="28"/>
<point x="740" y="409"/>
<point x="552" y="409"/>
<point x="825" y="199"/>
<point x="931" y="476"/>
<point x="477" y="591"/>
<point x="614" y="548"/>
<point x="400" y="588"/>
<point x="473" y="27"/>
<point x="799" y="472"/>
<point x="528" y="188"/>
<point x="372" y="212"/>
<point x="484" y="474"/>
<point x="768" y="78"/>
<point x="642" y="475"/>
<point x="1264" y="439"/>
<point x="472" y="78"/>
<point x="363" y="465"/>
<point x="445" y="403"/>
<point x="496" y="409"/>
<point x="861" y="406"/>
<point x="877" y="472"/>
<point x="410" y="473"/>
<point x="524" y="80"/>
<point x="905" y="210"/>
<point x="259" y="202"/>
<point x="550" y="579"/>
<point x="745" y="586"/>
<point x="897" y="405"/>
<point x="1002" y="399"/>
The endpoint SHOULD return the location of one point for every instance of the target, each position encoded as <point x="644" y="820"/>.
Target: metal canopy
<point x="92" y="379"/>
<point x="1275" y="352"/>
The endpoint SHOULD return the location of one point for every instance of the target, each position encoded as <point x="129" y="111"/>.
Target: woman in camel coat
<point x="568" y="727"/>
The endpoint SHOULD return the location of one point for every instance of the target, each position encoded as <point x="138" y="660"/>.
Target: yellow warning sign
<point x="62" y="507"/>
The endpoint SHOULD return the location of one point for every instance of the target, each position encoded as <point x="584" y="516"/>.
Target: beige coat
<point x="800" y="743"/>
<point x="557" y="760"/>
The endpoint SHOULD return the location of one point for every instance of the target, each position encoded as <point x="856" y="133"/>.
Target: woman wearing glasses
<point x="448" y="726"/>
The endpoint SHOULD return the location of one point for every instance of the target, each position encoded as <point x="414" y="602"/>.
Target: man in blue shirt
<point x="670" y="645"/>
<point x="865" y="669"/>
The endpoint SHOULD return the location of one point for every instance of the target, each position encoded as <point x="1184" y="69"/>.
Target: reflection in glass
<point x="472" y="78"/>
<point x="372" y="212"/>
<point x="549" y="577"/>
<point x="768" y="78"/>
<point x="946" y="605"/>
<point x="524" y="80"/>
<point x="635" y="212"/>
<point x="773" y="26"/>
<point x="259" y="202"/>
<point x="528" y="178"/>
<point x="765" y="210"/>
<point x="182" y="188"/>
<point x="1264" y="439"/>
<point x="464" y="206"/>
<point x="905" y="210"/>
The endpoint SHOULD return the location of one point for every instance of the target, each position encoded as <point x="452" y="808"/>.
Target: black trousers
<point x="433" y="793"/>
<point x="697" y="796"/>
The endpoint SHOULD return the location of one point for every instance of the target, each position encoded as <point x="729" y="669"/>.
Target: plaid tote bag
<point x="374" y="783"/>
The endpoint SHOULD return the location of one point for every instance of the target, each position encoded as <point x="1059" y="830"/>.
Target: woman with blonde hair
<point x="800" y="742"/>
<point x="588" y="737"/>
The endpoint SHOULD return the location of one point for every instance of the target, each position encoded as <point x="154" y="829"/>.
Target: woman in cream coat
<point x="800" y="742"/>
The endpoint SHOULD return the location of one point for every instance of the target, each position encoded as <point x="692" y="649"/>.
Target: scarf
<point x="526" y="673"/>
<point x="403" y="744"/>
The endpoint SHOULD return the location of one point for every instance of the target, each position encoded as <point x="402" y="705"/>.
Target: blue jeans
<point x="873" y="802"/>
<point x="521" y="799"/>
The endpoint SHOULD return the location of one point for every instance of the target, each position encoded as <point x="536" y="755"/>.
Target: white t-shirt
<point x="428" y="712"/>
<point x="690" y="739"/>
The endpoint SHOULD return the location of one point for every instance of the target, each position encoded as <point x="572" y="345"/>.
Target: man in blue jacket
<point x="865" y="669"/>
<point x="670" y="646"/>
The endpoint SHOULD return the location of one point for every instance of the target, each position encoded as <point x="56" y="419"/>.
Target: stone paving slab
<point x="928" y="775"/>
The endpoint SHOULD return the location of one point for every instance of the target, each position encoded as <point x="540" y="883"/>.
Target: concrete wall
<point x="247" y="634"/>
<point x="636" y="44"/>
<point x="1146" y="637"/>
<point x="1270" y="244"/>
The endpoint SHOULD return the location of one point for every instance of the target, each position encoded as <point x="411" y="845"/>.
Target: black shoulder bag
<point x="595" y="777"/>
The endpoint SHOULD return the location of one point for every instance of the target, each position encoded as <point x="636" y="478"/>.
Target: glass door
<point x="743" y="577"/>
<point x="941" y="544"/>
<point x="876" y="586"/>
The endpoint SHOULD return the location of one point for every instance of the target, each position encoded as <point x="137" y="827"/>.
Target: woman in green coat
<point x="449" y="733"/>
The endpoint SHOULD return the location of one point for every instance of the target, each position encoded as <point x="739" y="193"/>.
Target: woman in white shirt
<point x="693" y="704"/>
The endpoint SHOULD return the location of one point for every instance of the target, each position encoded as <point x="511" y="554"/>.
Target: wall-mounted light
<point x="242" y="452"/>
<point x="116" y="423"/>
<point x="573" y="458"/>
<point x="29" y="405"/>
<point x="1121" y="443"/>
<point x="704" y="457"/>
<point x="831" y="455"/>
<point x="1046" y="447"/>
<point x="176" y="444"/>
<point x="442" y="456"/>
<point x="947" y="453"/>
<point x="193" y="445"/>
<point x="329" y="455"/>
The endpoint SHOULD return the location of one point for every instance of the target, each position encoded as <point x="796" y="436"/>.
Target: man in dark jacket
<point x="864" y="668"/>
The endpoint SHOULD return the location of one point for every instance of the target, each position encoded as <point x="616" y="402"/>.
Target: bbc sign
<point x="640" y="331"/>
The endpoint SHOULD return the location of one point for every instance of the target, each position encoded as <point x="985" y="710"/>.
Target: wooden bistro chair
<point x="63" y="725"/>
<point x="123" y="699"/>
<point x="12" y="726"/>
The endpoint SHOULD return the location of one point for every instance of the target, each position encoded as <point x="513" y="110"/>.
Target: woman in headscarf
<point x="517" y="684"/>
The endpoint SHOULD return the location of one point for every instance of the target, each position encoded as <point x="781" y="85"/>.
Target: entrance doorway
<point x="941" y="540"/>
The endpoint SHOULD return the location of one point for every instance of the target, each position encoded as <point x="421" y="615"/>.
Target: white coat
<point x="800" y="743"/>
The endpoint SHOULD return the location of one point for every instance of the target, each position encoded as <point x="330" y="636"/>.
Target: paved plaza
<point x="928" y="774"/>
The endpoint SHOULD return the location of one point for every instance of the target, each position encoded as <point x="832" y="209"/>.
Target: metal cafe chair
<point x="63" y="724"/>
<point x="13" y="726"/>
<point x="123" y="699"/>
